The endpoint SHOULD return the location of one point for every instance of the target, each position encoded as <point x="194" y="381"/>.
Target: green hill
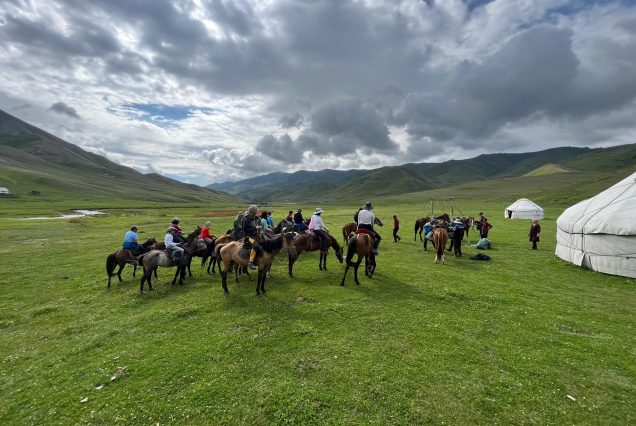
<point x="488" y="170"/>
<point x="33" y="161"/>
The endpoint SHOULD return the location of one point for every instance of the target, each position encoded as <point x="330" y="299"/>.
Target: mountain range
<point x="33" y="161"/>
<point x="336" y="185"/>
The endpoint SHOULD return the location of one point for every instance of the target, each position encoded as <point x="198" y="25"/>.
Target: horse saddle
<point x="174" y="255"/>
<point x="363" y="231"/>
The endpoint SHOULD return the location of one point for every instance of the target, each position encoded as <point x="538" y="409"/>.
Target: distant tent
<point x="523" y="209"/>
<point x="600" y="233"/>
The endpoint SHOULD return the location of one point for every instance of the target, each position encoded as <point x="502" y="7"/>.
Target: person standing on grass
<point x="535" y="230"/>
<point x="131" y="240"/>
<point x="458" y="236"/>
<point x="396" y="228"/>
<point x="485" y="227"/>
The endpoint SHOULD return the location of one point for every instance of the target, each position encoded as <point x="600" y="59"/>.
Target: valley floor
<point x="525" y="338"/>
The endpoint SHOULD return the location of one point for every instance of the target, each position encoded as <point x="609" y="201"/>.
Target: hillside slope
<point x="336" y="186"/>
<point x="34" y="160"/>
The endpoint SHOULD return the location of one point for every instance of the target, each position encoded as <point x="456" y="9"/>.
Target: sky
<point x="207" y="91"/>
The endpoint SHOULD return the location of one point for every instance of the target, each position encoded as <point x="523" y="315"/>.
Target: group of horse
<point x="440" y="231"/>
<point x="226" y="252"/>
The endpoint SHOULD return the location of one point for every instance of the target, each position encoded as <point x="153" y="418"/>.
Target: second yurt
<point x="523" y="209"/>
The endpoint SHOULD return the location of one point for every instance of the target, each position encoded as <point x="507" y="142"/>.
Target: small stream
<point x="77" y="214"/>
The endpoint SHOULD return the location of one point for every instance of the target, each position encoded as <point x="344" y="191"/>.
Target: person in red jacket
<point x="206" y="233"/>
<point x="396" y="228"/>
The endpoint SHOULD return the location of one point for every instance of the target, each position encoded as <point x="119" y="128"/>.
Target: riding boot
<point x="376" y="243"/>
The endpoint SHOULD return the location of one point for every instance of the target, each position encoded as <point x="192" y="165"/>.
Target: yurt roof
<point x="523" y="204"/>
<point x="612" y="211"/>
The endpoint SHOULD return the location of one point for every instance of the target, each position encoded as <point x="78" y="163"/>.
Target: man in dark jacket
<point x="251" y="225"/>
<point x="299" y="222"/>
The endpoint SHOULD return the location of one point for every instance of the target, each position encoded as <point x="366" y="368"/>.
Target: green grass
<point x="498" y="342"/>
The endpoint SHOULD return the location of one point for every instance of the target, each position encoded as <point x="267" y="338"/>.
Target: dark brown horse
<point x="350" y="228"/>
<point x="419" y="224"/>
<point x="122" y="257"/>
<point x="305" y="242"/>
<point x="362" y="245"/>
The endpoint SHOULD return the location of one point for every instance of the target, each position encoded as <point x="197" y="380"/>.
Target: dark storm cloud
<point x="62" y="108"/>
<point x="341" y="74"/>
<point x="289" y="121"/>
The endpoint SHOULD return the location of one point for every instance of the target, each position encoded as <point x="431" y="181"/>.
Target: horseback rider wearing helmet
<point x="251" y="227"/>
<point x="365" y="220"/>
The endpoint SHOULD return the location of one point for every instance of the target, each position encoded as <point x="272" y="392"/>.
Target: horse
<point x="123" y="256"/>
<point x="440" y="237"/>
<point x="419" y="226"/>
<point x="305" y="242"/>
<point x="350" y="228"/>
<point x="283" y="226"/>
<point x="230" y="256"/>
<point x="155" y="258"/>
<point x="362" y="245"/>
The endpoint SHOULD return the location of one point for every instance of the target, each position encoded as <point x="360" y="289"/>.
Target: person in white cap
<point x="318" y="226"/>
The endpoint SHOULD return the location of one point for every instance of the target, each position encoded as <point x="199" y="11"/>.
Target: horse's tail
<point x="440" y="244"/>
<point x="351" y="249"/>
<point x="140" y="261"/>
<point x="111" y="262"/>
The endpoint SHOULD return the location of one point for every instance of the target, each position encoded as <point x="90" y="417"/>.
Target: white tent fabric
<point x="523" y="209"/>
<point x="600" y="233"/>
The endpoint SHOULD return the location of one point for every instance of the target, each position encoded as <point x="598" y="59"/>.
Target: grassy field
<point x="523" y="339"/>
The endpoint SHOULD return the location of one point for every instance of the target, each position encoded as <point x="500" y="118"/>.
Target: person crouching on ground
<point x="396" y="228"/>
<point x="170" y="243"/>
<point x="535" y="230"/>
<point x="318" y="226"/>
<point x="131" y="240"/>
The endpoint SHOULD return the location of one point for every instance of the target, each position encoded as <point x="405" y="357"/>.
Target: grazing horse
<point x="230" y="256"/>
<point x="122" y="257"/>
<point x="362" y="245"/>
<point x="350" y="228"/>
<point x="440" y="237"/>
<point x="155" y="258"/>
<point x="305" y="242"/>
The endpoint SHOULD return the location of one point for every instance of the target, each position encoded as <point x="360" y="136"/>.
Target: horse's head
<point x="378" y="222"/>
<point x="339" y="254"/>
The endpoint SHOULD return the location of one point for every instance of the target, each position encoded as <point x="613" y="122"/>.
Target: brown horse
<point x="419" y="224"/>
<point x="230" y="256"/>
<point x="122" y="257"/>
<point x="350" y="228"/>
<point x="362" y="245"/>
<point x="440" y="237"/>
<point x="305" y="242"/>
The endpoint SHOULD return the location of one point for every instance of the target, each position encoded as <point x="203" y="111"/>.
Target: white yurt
<point x="523" y="209"/>
<point x="600" y="233"/>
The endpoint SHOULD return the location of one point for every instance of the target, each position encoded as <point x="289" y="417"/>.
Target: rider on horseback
<point x="318" y="226"/>
<point x="251" y="225"/>
<point x="130" y="240"/>
<point x="171" y="244"/>
<point x="299" y="222"/>
<point x="365" y="219"/>
<point x="206" y="233"/>
<point x="178" y="238"/>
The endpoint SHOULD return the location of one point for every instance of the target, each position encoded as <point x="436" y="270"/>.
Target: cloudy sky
<point x="213" y="90"/>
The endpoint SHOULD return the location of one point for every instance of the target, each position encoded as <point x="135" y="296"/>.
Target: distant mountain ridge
<point x="34" y="160"/>
<point x="337" y="185"/>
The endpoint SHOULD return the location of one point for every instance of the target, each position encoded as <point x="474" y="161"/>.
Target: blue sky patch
<point x="159" y="114"/>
